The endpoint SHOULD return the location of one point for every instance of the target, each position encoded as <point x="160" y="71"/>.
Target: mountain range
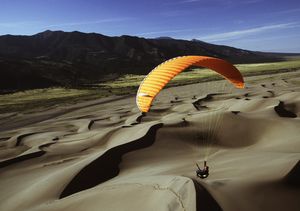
<point x="57" y="58"/>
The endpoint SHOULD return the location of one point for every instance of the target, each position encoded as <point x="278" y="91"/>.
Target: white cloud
<point x="272" y="43"/>
<point x="241" y="33"/>
<point x="165" y="31"/>
<point x="182" y="2"/>
<point x="287" y="11"/>
<point x="189" y="1"/>
<point x="251" y="1"/>
<point x="17" y="24"/>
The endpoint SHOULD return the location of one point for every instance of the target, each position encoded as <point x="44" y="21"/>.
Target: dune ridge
<point x="106" y="154"/>
<point x="108" y="162"/>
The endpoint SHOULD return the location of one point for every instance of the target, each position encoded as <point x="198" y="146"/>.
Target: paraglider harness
<point x="202" y="173"/>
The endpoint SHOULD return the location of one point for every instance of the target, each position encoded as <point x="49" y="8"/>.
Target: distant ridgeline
<point x="57" y="58"/>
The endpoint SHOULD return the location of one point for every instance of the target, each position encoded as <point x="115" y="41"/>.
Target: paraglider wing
<point x="163" y="73"/>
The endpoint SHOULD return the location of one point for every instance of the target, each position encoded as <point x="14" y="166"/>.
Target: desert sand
<point x="105" y="155"/>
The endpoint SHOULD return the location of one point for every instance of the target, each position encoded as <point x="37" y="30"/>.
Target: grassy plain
<point x="128" y="84"/>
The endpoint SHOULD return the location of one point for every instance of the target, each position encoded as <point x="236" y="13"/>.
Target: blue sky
<point x="264" y="25"/>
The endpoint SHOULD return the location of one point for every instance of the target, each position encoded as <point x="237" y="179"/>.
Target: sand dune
<point x="106" y="155"/>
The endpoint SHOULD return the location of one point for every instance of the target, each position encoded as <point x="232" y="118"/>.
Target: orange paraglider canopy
<point x="163" y="73"/>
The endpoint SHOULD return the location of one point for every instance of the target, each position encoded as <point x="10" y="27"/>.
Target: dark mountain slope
<point x="72" y="58"/>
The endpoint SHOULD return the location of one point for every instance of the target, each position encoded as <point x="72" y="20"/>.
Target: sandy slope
<point x="104" y="155"/>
